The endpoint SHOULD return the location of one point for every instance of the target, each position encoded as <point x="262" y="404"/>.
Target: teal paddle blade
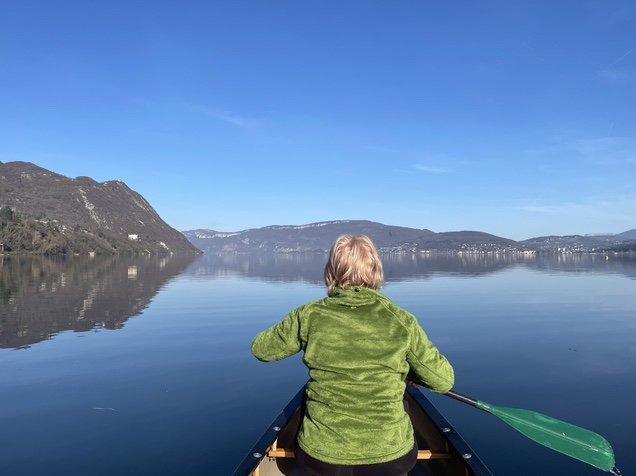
<point x="571" y="440"/>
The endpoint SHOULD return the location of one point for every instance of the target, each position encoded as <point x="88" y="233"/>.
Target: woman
<point x="359" y="348"/>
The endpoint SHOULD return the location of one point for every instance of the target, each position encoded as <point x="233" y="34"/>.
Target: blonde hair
<point x="353" y="261"/>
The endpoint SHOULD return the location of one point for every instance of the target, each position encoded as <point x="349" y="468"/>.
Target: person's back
<point x="359" y="347"/>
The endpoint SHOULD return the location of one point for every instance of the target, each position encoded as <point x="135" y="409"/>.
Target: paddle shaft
<point x="462" y="398"/>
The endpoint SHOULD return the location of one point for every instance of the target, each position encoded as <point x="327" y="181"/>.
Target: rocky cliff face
<point x="44" y="212"/>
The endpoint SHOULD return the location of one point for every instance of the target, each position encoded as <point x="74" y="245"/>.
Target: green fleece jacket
<point x="359" y="347"/>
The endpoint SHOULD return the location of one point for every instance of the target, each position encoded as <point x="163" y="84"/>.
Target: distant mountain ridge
<point x="625" y="241"/>
<point x="318" y="237"/>
<point x="629" y="234"/>
<point x="45" y="212"/>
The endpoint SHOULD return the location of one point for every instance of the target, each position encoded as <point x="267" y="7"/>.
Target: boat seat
<point x="421" y="454"/>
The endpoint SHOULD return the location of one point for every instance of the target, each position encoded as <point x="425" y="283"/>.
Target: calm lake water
<point x="142" y="366"/>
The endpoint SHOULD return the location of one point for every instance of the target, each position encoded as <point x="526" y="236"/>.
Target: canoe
<point x="442" y="451"/>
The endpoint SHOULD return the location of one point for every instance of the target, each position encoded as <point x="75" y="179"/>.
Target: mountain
<point x="629" y="234"/>
<point x="587" y="243"/>
<point x="318" y="237"/>
<point x="44" y="212"/>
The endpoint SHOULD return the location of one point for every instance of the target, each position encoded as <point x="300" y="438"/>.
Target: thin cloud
<point x="614" y="76"/>
<point x="620" y="209"/>
<point x="225" y="116"/>
<point x="383" y="150"/>
<point x="566" y="208"/>
<point x="609" y="150"/>
<point x="430" y="170"/>
<point x="547" y="209"/>
<point x="615" y="72"/>
<point x="606" y="149"/>
<point x="618" y="60"/>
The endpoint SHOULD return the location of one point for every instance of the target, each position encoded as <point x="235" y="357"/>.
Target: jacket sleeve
<point x="428" y="366"/>
<point x="280" y="340"/>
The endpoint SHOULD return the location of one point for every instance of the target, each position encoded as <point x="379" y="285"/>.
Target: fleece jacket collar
<point x="354" y="296"/>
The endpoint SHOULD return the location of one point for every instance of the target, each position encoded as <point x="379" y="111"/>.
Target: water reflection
<point x="42" y="296"/>
<point x="159" y="392"/>
<point x="398" y="267"/>
<point x="622" y="264"/>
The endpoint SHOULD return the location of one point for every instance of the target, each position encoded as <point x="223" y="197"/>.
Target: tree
<point x="6" y="213"/>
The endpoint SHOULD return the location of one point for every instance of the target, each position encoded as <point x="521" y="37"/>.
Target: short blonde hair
<point x="353" y="261"/>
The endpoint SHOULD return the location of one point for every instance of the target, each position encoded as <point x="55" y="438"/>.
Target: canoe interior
<point x="432" y="431"/>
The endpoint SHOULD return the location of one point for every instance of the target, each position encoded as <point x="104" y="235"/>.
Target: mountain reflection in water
<point x="42" y="296"/>
<point x="287" y="267"/>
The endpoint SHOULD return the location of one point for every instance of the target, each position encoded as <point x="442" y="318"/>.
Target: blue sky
<point x="513" y="118"/>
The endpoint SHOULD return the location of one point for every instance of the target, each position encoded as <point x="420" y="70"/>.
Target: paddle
<point x="571" y="440"/>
